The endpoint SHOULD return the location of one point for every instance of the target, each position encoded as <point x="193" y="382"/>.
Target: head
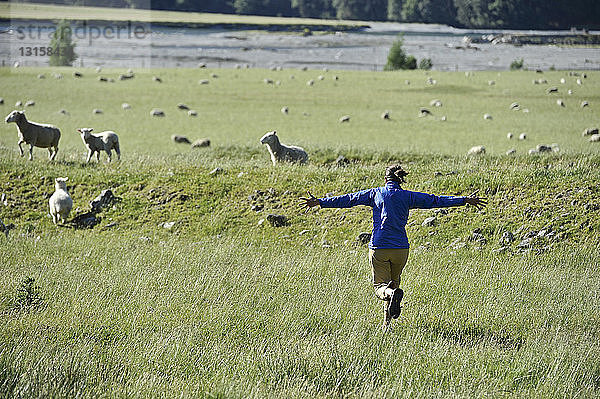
<point x="395" y="173"/>
<point x="60" y="183"/>
<point x="15" y="116"/>
<point x="85" y="132"/>
<point x="269" y="138"/>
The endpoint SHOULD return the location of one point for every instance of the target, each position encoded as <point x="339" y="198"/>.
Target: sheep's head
<point x="269" y="138"/>
<point x="15" y="116"/>
<point x="60" y="183"/>
<point x="85" y="132"/>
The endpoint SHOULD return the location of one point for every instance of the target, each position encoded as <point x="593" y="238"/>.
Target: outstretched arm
<point x="363" y="197"/>
<point x="427" y="201"/>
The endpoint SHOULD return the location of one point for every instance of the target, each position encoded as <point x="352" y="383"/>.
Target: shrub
<point x="397" y="58"/>
<point x="63" y="48"/>
<point x="426" y="64"/>
<point x="516" y="64"/>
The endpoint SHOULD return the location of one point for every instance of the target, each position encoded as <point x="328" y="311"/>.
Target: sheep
<point x="345" y="118"/>
<point x="283" y="153"/>
<point x="180" y="139"/>
<point x="77" y="74"/>
<point x="435" y="103"/>
<point x="192" y="112"/>
<point x="30" y="103"/>
<point x="183" y="106"/>
<point x="157" y="79"/>
<point x="476" y="150"/>
<point x="509" y="135"/>
<point x="551" y="90"/>
<point x="105" y="141"/>
<point x="203" y="82"/>
<point x="125" y="106"/>
<point x="35" y="134"/>
<point x="157" y="112"/>
<point x="1" y="101"/>
<point x="584" y="104"/>
<point x="523" y="136"/>
<point x="285" y="110"/>
<point x="424" y="112"/>
<point x="487" y="117"/>
<point x="60" y="202"/>
<point x="560" y="103"/>
<point x="386" y="115"/>
<point x="515" y="106"/>
<point x="310" y="82"/>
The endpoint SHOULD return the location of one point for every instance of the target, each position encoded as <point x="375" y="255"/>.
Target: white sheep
<point x="35" y="134"/>
<point x="283" y="153"/>
<point x="60" y="202"/>
<point x="105" y="141"/>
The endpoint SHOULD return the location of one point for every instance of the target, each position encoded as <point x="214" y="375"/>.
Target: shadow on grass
<point x="470" y="336"/>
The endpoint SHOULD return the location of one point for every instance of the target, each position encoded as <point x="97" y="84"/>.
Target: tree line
<point x="510" y="14"/>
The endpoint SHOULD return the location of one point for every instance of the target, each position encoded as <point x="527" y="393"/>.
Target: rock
<point x="507" y="238"/>
<point x="595" y="138"/>
<point x="105" y="199"/>
<point x="512" y="151"/>
<point x="168" y="225"/>
<point x="430" y="221"/>
<point x="277" y="220"/>
<point x="543" y="148"/>
<point x="257" y="208"/>
<point x="157" y="112"/>
<point x="85" y="220"/>
<point x="590" y="131"/>
<point x="424" y="112"/>
<point x="552" y="90"/>
<point x="476" y="150"/>
<point x="216" y="171"/>
<point x="364" y="238"/>
<point x="201" y="143"/>
<point x="1" y="101"/>
<point x="180" y="139"/>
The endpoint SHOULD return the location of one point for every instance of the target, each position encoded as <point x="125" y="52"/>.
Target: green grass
<point x="220" y="306"/>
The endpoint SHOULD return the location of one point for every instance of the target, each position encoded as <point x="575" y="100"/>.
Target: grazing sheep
<point x="584" y="104"/>
<point x="515" y="106"/>
<point x="157" y="79"/>
<point x="321" y="77"/>
<point x="563" y="81"/>
<point x="41" y="76"/>
<point x="35" y="134"/>
<point x="476" y="150"/>
<point x="183" y="106"/>
<point x="1" y="101"/>
<point x="125" y="106"/>
<point x="30" y="103"/>
<point x="157" y="112"/>
<point x="77" y="74"/>
<point x="551" y="90"/>
<point x="57" y="75"/>
<point x="487" y="116"/>
<point x="102" y="79"/>
<point x="560" y="103"/>
<point x="579" y="82"/>
<point x="590" y="131"/>
<point x="569" y="92"/>
<point x="268" y="81"/>
<point x="19" y="104"/>
<point x="203" y="82"/>
<point x="60" y="202"/>
<point x="512" y="151"/>
<point x="214" y="75"/>
<point x="310" y="82"/>
<point x="127" y="76"/>
<point x="105" y="141"/>
<point x="424" y="112"/>
<point x="283" y="153"/>
<point x="435" y="103"/>
<point x="192" y="112"/>
<point x="523" y="136"/>
<point x="97" y="111"/>
<point x="201" y="143"/>
<point x="180" y="139"/>
<point x="345" y="118"/>
<point x="386" y="115"/>
<point x="491" y="82"/>
<point x="285" y="110"/>
<point x="509" y="135"/>
<point x="98" y="69"/>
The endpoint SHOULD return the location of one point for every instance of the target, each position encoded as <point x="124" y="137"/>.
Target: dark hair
<point x="395" y="173"/>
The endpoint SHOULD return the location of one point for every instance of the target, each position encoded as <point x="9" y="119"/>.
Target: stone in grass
<point x="342" y="161"/>
<point x="507" y="238"/>
<point x="85" y="220"/>
<point x="105" y="199"/>
<point x="216" y="171"/>
<point x="168" y="225"/>
<point x="364" y="238"/>
<point x="277" y="220"/>
<point x="201" y="143"/>
<point x="180" y="139"/>
<point x="430" y="221"/>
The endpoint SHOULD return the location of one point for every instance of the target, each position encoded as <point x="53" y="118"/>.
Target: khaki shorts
<point x="386" y="265"/>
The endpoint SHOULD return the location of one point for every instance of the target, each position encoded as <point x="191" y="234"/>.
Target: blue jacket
<point x="391" y="205"/>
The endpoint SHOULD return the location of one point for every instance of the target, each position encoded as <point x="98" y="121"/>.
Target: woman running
<point x="388" y="248"/>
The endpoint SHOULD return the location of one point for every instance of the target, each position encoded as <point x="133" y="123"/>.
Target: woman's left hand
<point x="477" y="202"/>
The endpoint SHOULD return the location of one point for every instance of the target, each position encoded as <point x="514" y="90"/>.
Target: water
<point x="365" y="50"/>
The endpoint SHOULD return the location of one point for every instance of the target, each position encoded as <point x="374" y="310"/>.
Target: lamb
<point x="105" y="141"/>
<point x="283" y="153"/>
<point x="60" y="202"/>
<point x="35" y="134"/>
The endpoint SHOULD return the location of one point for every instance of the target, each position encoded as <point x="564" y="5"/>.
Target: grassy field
<point x="221" y="305"/>
<point x="13" y="10"/>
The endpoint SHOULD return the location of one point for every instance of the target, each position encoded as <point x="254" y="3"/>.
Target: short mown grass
<point x="219" y="305"/>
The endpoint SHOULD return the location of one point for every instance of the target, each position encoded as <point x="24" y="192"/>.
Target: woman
<point x="388" y="248"/>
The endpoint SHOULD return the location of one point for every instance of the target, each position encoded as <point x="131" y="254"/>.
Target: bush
<point x="426" y="64"/>
<point x="397" y="58"/>
<point x="516" y="64"/>
<point x="63" y="48"/>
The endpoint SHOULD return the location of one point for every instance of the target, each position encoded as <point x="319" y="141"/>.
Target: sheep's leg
<point x="31" y="152"/>
<point x="118" y="151"/>
<point x="54" y="153"/>
<point x="54" y="217"/>
<point x="108" y="151"/>
<point x="89" y="156"/>
<point x="21" y="148"/>
<point x="98" y="156"/>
